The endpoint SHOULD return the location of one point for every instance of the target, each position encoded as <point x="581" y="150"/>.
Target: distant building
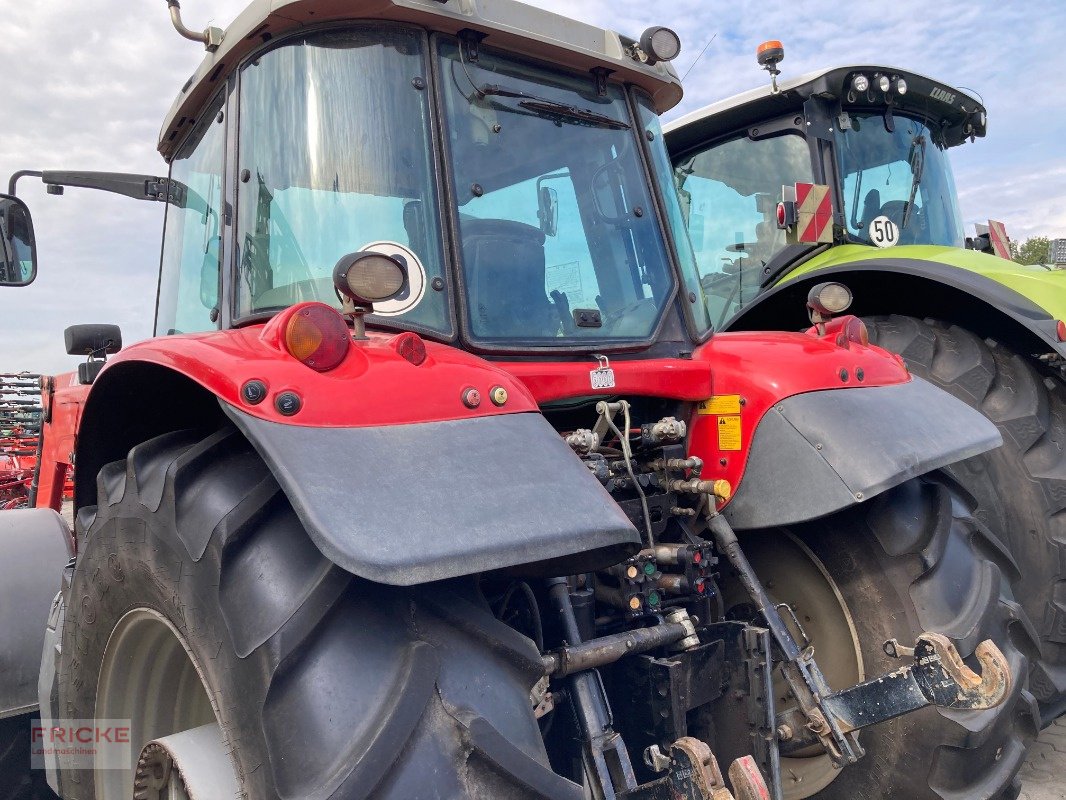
<point x="1058" y="253"/>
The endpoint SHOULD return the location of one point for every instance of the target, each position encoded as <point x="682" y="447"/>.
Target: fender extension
<point x="819" y="452"/>
<point x="35" y="545"/>
<point x="410" y="504"/>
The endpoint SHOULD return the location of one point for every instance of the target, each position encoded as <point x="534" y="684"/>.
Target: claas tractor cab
<point x="434" y="481"/>
<point x="844" y="174"/>
<point x="872" y="143"/>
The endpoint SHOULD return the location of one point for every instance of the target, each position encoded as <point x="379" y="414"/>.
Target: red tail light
<point x="318" y="336"/>
<point x="856" y="331"/>
<point x="844" y="330"/>
<point x="1060" y="329"/>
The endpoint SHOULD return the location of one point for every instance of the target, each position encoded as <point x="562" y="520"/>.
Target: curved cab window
<point x="335" y="156"/>
<point x="192" y="234"/>
<point x="902" y="174"/>
<point x="729" y="194"/>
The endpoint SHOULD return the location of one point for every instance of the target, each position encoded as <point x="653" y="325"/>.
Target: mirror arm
<point x="25" y="173"/>
<point x="139" y="187"/>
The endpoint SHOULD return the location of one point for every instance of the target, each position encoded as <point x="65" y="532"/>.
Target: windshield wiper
<point x="555" y="109"/>
<point x="917" y="163"/>
<point x="570" y="112"/>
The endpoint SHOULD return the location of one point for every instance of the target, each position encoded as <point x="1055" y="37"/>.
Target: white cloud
<point x="86" y="86"/>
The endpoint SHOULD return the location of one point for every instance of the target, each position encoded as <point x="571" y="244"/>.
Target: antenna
<point x="211" y="38"/>
<point x="704" y="50"/>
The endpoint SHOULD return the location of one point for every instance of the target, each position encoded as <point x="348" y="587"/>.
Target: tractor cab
<point x="518" y="183"/>
<point x="851" y="155"/>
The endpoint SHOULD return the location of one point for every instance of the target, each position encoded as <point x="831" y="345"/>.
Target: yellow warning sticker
<point x="721" y="404"/>
<point x="729" y="437"/>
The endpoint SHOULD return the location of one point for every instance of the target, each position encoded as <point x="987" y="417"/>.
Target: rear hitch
<point x="799" y="668"/>
<point x="691" y="770"/>
<point x="693" y="774"/>
<point x="937" y="677"/>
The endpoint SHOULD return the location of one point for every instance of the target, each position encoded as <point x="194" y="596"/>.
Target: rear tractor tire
<point x="908" y="561"/>
<point x="1019" y="488"/>
<point x="199" y="604"/>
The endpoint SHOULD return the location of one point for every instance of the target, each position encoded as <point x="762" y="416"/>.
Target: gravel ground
<point x="1043" y="776"/>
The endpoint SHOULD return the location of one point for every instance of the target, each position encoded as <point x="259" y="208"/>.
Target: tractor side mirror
<point x="548" y="210"/>
<point x="96" y="343"/>
<point x="18" y="248"/>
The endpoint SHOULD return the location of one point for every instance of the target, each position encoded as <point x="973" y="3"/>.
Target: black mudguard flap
<point x="410" y="504"/>
<point x="819" y="452"/>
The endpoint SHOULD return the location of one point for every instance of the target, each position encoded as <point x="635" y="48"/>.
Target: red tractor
<point x="435" y="481"/>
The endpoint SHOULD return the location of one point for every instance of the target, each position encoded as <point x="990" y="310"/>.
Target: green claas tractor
<point x="435" y="482"/>
<point x="844" y="175"/>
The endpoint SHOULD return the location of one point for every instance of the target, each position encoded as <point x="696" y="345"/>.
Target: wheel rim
<point x="794" y="575"/>
<point x="149" y="678"/>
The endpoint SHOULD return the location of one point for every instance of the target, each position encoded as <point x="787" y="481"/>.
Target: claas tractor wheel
<point x="1019" y="488"/>
<point x="911" y="560"/>
<point x="200" y="611"/>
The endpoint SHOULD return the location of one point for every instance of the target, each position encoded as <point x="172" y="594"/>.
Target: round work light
<point x="660" y="44"/>
<point x="829" y="298"/>
<point x="369" y="278"/>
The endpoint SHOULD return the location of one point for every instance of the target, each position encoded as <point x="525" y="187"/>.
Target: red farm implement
<point x="20" y="433"/>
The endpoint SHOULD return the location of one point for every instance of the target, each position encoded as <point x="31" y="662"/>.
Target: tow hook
<point x="937" y="677"/>
<point x="946" y="681"/>
<point x="693" y="774"/>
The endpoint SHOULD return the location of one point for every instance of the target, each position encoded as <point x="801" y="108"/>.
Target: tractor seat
<point x="871" y="208"/>
<point x="893" y="209"/>
<point x="505" y="270"/>
<point x="915" y="232"/>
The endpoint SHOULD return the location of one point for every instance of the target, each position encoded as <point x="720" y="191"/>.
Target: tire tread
<point x="299" y="656"/>
<point x="1029" y="409"/>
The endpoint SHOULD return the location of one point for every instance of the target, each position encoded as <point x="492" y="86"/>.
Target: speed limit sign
<point x="883" y="232"/>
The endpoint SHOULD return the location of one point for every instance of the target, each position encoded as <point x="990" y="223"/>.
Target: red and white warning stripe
<point x="997" y="236"/>
<point x="814" y="212"/>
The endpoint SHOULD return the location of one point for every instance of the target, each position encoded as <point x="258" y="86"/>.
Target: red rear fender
<point x="750" y="372"/>
<point x="178" y="382"/>
<point x="374" y="385"/>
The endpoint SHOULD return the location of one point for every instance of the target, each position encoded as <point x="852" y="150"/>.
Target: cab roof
<point x="508" y="24"/>
<point x="955" y="108"/>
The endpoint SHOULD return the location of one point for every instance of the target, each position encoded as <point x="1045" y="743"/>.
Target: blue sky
<point x="86" y="85"/>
